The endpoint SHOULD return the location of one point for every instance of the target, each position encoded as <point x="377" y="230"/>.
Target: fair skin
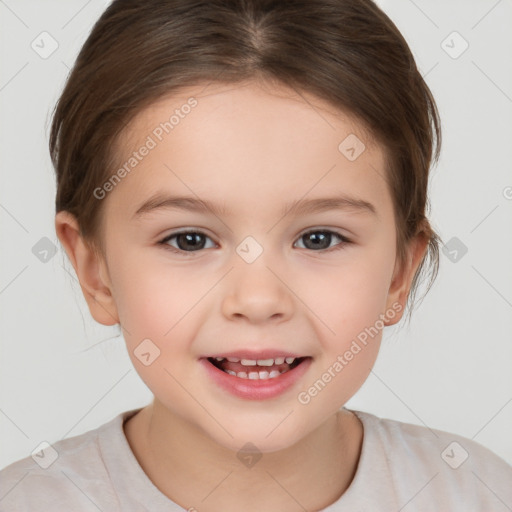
<point x="251" y="149"/>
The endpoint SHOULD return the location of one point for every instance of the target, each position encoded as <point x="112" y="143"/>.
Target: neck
<point x="197" y="473"/>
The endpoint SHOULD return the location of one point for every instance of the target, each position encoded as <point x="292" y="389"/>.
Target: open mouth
<point x="256" y="369"/>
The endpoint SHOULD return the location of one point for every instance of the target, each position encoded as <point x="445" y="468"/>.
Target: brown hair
<point x="347" y="52"/>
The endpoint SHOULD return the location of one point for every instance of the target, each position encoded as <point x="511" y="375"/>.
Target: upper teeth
<point x="259" y="362"/>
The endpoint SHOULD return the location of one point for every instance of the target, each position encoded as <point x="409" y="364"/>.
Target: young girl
<point x="242" y="187"/>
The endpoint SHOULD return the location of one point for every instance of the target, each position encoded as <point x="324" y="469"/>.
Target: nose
<point x="256" y="293"/>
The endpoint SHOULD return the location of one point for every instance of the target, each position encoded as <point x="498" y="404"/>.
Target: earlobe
<point x="403" y="275"/>
<point x="90" y="269"/>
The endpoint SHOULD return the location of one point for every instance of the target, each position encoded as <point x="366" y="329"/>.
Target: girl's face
<point x="290" y="252"/>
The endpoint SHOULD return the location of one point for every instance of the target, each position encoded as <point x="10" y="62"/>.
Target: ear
<point x="404" y="273"/>
<point x="90" y="268"/>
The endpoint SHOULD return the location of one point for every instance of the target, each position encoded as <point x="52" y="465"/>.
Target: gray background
<point x="450" y="369"/>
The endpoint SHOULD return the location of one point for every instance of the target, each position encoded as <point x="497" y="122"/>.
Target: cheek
<point x="353" y="300"/>
<point x="162" y="305"/>
<point x="156" y="309"/>
<point x="152" y="298"/>
<point x="349" y="304"/>
<point x="349" y="297"/>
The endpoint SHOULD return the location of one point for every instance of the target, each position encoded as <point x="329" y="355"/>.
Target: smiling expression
<point x="247" y="235"/>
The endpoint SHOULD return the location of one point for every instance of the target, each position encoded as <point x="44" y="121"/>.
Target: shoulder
<point x="438" y="464"/>
<point x="65" y="475"/>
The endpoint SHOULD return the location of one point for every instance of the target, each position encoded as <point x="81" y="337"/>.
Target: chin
<point x="267" y="436"/>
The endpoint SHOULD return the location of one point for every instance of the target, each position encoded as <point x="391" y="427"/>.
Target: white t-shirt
<point x="402" y="467"/>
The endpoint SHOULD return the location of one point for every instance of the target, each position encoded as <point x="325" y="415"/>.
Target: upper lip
<point x="255" y="355"/>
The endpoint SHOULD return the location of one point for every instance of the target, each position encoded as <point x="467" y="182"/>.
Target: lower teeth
<point x="255" y="375"/>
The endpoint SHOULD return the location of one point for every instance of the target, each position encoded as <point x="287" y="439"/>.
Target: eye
<point x="320" y="240"/>
<point x="193" y="241"/>
<point x="186" y="241"/>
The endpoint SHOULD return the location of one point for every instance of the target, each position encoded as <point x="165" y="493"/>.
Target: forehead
<point x="232" y="141"/>
<point x="261" y="100"/>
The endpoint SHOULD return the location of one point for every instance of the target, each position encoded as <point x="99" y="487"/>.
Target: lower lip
<point x="261" y="389"/>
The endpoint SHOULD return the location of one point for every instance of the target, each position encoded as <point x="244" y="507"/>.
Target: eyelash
<point x="339" y="246"/>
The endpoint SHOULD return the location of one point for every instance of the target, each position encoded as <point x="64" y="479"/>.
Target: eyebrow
<point x="161" y="201"/>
